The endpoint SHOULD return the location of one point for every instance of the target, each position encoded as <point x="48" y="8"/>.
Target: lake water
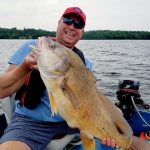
<point x="112" y="60"/>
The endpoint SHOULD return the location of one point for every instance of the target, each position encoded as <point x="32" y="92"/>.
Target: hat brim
<point x="73" y="13"/>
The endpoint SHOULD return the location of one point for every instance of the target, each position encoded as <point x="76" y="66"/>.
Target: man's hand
<point x="31" y="62"/>
<point x="14" y="77"/>
<point x="109" y="142"/>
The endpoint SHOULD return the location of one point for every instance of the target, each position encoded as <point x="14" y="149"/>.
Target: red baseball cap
<point x="77" y="11"/>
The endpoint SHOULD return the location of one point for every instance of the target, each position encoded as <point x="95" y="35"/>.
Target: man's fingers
<point x="31" y="62"/>
<point x="109" y="142"/>
<point x="103" y="141"/>
<point x="35" y="67"/>
<point x="112" y="143"/>
<point x="106" y="141"/>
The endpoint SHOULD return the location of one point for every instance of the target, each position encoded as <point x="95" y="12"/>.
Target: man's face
<point x="69" y="35"/>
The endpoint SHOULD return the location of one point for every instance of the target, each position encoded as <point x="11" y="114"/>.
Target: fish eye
<point x="52" y="46"/>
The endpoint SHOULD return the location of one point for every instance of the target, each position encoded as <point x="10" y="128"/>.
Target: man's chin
<point x="69" y="44"/>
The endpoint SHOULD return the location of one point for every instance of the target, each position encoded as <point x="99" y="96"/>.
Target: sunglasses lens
<point x="77" y="24"/>
<point x="67" y="21"/>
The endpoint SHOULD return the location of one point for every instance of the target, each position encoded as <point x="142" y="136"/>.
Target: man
<point x="33" y="128"/>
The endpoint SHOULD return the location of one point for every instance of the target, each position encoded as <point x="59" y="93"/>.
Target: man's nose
<point x="71" y="26"/>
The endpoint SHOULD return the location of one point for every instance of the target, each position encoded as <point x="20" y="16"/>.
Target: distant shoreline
<point x="14" y="33"/>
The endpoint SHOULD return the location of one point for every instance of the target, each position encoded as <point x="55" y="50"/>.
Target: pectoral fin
<point x="52" y="103"/>
<point x="71" y="97"/>
<point x="88" y="142"/>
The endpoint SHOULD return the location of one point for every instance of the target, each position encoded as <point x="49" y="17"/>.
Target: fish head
<point x="51" y="60"/>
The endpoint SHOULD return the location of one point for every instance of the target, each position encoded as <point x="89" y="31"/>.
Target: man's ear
<point x="82" y="30"/>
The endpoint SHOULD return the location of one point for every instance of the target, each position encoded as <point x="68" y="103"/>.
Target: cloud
<point x="101" y="14"/>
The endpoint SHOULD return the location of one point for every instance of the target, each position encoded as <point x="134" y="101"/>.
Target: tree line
<point x="25" y="33"/>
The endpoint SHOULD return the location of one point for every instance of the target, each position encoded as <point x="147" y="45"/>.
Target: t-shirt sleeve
<point x="21" y="52"/>
<point x="88" y="64"/>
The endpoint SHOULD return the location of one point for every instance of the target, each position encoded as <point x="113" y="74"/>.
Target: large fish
<point x="73" y="94"/>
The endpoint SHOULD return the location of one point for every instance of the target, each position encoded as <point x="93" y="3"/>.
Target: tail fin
<point x="139" y="144"/>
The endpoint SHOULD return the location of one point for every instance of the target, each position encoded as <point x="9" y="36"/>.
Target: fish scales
<point x="74" y="95"/>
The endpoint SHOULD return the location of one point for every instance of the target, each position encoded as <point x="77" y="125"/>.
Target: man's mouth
<point x="69" y="33"/>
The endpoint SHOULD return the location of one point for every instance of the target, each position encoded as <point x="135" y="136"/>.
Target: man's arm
<point x="14" y="77"/>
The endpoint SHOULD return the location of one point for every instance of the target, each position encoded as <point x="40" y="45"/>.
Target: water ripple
<point x="112" y="60"/>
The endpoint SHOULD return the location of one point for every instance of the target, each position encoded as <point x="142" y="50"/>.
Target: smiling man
<point x="32" y="125"/>
<point x="71" y="27"/>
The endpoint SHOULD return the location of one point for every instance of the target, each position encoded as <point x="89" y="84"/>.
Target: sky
<point x="129" y="15"/>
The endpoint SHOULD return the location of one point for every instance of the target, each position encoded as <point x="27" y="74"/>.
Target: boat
<point x="134" y="109"/>
<point x="129" y="100"/>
